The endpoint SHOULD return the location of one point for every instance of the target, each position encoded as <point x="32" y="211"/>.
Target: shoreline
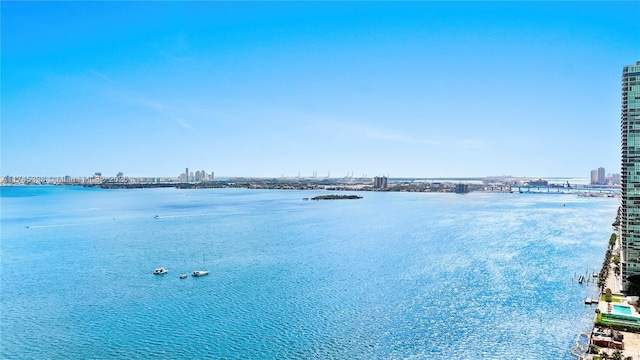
<point x="583" y="191"/>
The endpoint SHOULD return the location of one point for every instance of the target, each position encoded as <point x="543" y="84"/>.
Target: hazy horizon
<point x="311" y="176"/>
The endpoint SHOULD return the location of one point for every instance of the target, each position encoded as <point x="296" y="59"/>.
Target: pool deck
<point x="608" y="308"/>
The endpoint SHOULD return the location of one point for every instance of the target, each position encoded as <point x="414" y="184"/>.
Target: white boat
<point x="160" y="271"/>
<point x="183" y="276"/>
<point x="200" y="273"/>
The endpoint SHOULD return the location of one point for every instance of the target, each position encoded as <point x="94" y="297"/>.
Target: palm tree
<point x="617" y="355"/>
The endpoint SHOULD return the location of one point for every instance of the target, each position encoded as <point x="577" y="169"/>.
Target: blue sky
<point x="423" y="89"/>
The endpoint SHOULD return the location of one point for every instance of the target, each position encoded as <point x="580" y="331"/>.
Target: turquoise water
<point x="625" y="310"/>
<point x="393" y="275"/>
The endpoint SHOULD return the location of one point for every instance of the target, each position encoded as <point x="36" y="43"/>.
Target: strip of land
<point x="336" y="197"/>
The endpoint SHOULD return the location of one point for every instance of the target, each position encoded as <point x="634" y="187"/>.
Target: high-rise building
<point x="462" y="188"/>
<point x="630" y="134"/>
<point x="601" y="178"/>
<point x="380" y="182"/>
<point x="594" y="176"/>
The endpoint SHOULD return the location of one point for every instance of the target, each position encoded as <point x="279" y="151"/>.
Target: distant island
<point x="336" y="197"/>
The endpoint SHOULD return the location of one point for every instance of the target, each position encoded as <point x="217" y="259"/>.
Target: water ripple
<point x="408" y="276"/>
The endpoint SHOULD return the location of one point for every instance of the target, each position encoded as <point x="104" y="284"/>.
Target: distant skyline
<point x="416" y="89"/>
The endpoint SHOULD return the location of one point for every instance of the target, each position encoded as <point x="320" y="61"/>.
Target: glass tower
<point x="630" y="131"/>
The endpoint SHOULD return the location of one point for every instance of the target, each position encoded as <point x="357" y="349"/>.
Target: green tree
<point x="617" y="355"/>
<point x="607" y="295"/>
<point x="612" y="239"/>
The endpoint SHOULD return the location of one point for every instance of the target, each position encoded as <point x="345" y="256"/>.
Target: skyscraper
<point x="380" y="182"/>
<point x="601" y="178"/>
<point x="630" y="133"/>
<point x="594" y="176"/>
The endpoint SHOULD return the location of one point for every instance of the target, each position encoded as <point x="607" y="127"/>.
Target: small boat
<point x="198" y="273"/>
<point x="160" y="271"/>
<point x="183" y="276"/>
<point x="581" y="279"/>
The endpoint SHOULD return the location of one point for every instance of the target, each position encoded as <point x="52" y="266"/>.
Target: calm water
<point x="390" y="276"/>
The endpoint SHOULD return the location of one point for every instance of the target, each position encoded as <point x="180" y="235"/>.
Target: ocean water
<point x="390" y="276"/>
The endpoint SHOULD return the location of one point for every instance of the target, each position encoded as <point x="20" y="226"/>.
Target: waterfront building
<point x="197" y="176"/>
<point x="594" y="176"/>
<point x="380" y="182"/>
<point x="630" y="148"/>
<point x="601" y="180"/>
<point x="462" y="188"/>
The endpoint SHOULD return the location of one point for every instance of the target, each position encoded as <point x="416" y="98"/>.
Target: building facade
<point x="601" y="176"/>
<point x="380" y="182"/>
<point x="462" y="188"/>
<point x="594" y="176"/>
<point x="630" y="134"/>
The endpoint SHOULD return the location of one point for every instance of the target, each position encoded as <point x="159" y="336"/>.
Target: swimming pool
<point x="625" y="310"/>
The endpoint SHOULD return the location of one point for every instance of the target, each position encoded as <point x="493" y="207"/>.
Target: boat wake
<point x="52" y="226"/>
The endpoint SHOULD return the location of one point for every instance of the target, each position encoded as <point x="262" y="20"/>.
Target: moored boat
<point x="198" y="273"/>
<point x="160" y="271"/>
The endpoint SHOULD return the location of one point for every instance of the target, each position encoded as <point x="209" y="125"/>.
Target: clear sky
<point x="423" y="89"/>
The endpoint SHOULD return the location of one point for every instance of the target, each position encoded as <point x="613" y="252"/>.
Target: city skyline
<point x="601" y="178"/>
<point x="272" y="89"/>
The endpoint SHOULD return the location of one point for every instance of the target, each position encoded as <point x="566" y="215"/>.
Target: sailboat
<point x="199" y="273"/>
